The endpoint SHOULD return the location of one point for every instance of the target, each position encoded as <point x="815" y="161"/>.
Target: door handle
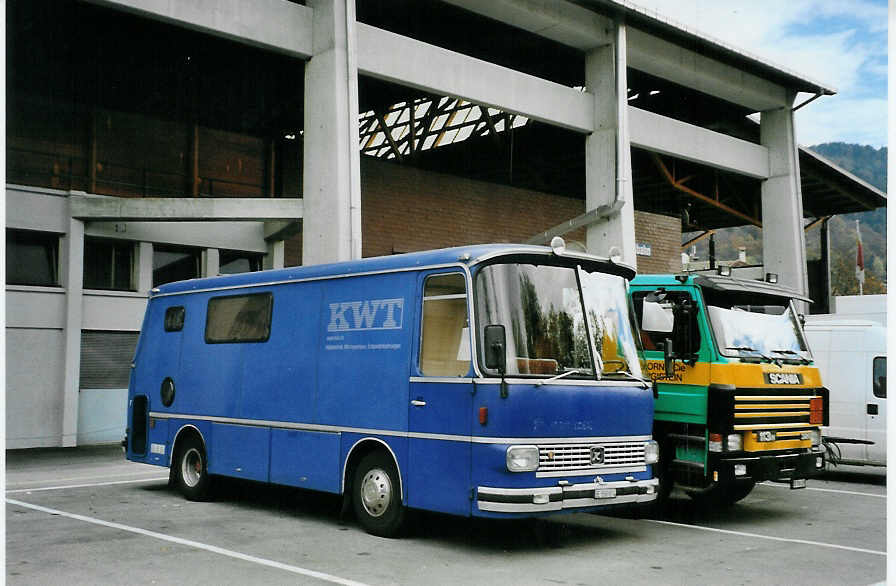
<point x="872" y="408"/>
<point x="418" y="403"/>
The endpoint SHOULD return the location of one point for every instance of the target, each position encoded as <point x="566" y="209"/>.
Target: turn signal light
<point x="816" y="410"/>
<point x="715" y="442"/>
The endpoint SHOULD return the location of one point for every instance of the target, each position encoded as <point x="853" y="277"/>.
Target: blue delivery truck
<point x="488" y="380"/>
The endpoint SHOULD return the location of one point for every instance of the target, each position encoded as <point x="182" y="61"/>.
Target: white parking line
<point x="880" y="496"/>
<point x="194" y="544"/>
<point x="769" y="537"/>
<point x="89" y="485"/>
<point x="155" y="470"/>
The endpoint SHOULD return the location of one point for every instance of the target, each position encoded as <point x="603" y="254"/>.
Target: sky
<point x="839" y="43"/>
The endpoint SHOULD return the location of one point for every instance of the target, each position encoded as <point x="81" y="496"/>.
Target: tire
<point x="190" y="470"/>
<point x="722" y="495"/>
<point x="376" y="495"/>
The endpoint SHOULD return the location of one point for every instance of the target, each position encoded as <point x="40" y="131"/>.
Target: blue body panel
<point x="339" y="369"/>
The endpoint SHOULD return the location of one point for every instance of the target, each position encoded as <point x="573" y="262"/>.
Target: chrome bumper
<point x="570" y="496"/>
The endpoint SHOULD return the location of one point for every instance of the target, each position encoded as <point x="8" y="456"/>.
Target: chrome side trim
<point x="392" y="432"/>
<point x="562" y="382"/>
<point x="441" y="380"/>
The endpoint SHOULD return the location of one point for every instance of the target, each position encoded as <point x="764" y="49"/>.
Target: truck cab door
<point x="441" y="401"/>
<point x="876" y="412"/>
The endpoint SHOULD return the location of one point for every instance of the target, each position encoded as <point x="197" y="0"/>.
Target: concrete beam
<point x="445" y="72"/>
<point x="167" y="209"/>
<point x="563" y="22"/>
<point x="672" y="137"/>
<point x="276" y="25"/>
<point x="281" y="230"/>
<point x="685" y="67"/>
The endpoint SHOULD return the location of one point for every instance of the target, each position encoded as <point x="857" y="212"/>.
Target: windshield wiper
<point x="561" y="375"/>
<point x="800" y="357"/>
<point x="756" y="352"/>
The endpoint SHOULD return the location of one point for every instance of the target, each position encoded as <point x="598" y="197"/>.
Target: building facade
<point x="149" y="142"/>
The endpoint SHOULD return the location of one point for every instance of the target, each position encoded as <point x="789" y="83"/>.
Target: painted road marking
<point x="89" y="485"/>
<point x="853" y="492"/>
<point x="194" y="544"/>
<point x="769" y="537"/>
<point x="89" y="477"/>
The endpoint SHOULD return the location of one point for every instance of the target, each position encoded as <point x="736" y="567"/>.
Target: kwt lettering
<point x="370" y="314"/>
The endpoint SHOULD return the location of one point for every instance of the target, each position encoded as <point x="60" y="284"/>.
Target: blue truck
<point x="489" y="380"/>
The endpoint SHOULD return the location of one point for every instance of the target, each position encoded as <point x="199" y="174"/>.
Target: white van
<point x="852" y="357"/>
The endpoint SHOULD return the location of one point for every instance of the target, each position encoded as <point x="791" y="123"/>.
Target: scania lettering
<point x="490" y="381"/>
<point x="739" y="400"/>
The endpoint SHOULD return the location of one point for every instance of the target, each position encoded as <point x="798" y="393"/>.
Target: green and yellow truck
<point x="738" y="399"/>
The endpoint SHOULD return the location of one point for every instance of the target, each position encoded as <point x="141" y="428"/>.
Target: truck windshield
<point x="765" y="331"/>
<point x="541" y="309"/>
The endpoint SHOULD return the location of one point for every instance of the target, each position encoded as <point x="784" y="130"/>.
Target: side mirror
<point x="682" y="332"/>
<point x="668" y="357"/>
<point x="655" y="319"/>
<point x="494" y="344"/>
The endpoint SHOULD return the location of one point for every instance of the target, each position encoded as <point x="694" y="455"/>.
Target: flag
<point x="860" y="259"/>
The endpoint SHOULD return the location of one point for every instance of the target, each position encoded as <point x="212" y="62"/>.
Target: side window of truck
<point x="239" y="318"/>
<point x="174" y="318"/>
<point x="879" y="377"/>
<point x="660" y="315"/>
<point x="445" y="338"/>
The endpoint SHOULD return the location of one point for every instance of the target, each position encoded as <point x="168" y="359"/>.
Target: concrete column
<point x="608" y="169"/>
<point x="144" y="267"/>
<point x="331" y="180"/>
<point x="211" y="262"/>
<point x="783" y="239"/>
<point x="276" y="255"/>
<point x="73" y="281"/>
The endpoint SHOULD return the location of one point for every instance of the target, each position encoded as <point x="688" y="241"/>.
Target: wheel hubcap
<point x="191" y="467"/>
<point x="376" y="492"/>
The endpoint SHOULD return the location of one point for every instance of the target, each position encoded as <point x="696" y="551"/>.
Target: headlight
<point x="735" y="442"/>
<point x="651" y="452"/>
<point x="522" y="458"/>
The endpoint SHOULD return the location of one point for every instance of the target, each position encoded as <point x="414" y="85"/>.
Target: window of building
<point x="880" y="377"/>
<point x="239" y="318"/>
<point x="106" y="359"/>
<point x="108" y="264"/>
<point x="32" y="258"/>
<point x="234" y="261"/>
<point x="445" y="345"/>
<point x="173" y="263"/>
<point x="174" y="318"/>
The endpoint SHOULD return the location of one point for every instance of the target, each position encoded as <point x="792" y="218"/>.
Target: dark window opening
<point x="32" y="258"/>
<point x="239" y="318"/>
<point x="174" y="318"/>
<point x="108" y="264"/>
<point x="653" y="340"/>
<point x="234" y="261"/>
<point x="171" y="263"/>
<point x="879" y="377"/>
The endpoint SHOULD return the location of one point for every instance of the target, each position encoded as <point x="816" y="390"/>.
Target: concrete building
<point x="156" y="141"/>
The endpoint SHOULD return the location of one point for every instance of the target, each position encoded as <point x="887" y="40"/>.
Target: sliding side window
<point x="445" y="347"/>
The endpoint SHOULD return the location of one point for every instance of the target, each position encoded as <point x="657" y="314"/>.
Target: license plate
<point x="604" y="493"/>
<point x="797" y="483"/>
<point x="766" y="436"/>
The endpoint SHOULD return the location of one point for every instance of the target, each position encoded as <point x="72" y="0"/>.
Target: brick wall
<point x="404" y="209"/>
<point x="663" y="234"/>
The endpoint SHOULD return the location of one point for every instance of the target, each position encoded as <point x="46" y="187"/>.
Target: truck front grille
<point x="768" y="411"/>
<point x="618" y="457"/>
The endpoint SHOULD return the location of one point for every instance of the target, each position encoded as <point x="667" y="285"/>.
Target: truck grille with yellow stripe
<point x="768" y="418"/>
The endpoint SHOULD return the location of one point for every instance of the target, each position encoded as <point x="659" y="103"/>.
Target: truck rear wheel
<point x="190" y="470"/>
<point x="376" y="495"/>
